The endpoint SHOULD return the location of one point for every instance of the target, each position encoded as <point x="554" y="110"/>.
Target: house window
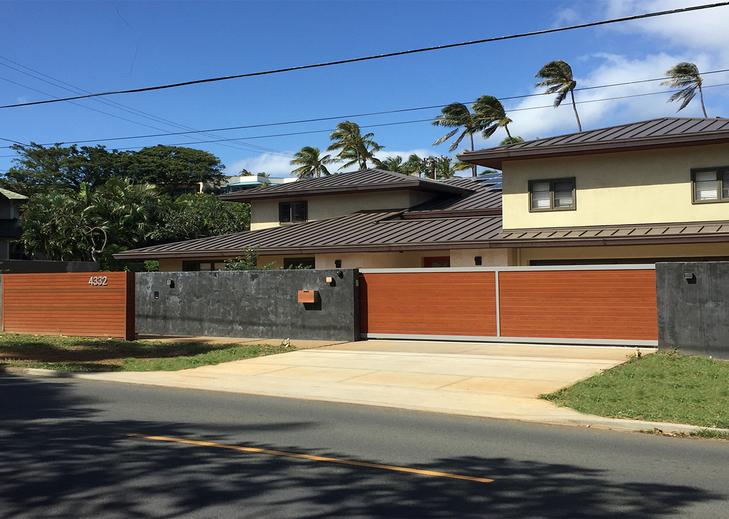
<point x="292" y="212"/>
<point x="711" y="184"/>
<point x="436" y="261"/>
<point x="298" y="263"/>
<point x="552" y="195"/>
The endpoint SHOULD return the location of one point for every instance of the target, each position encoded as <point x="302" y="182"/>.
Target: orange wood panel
<point x="428" y="303"/>
<point x="579" y="304"/>
<point x="66" y="304"/>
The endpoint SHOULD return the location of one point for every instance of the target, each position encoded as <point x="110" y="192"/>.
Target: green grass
<point x="664" y="387"/>
<point x="78" y="354"/>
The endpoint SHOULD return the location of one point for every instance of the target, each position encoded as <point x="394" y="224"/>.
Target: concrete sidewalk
<point x="473" y="379"/>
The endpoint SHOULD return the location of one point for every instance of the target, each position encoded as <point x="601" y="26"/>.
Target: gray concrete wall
<point x="31" y="266"/>
<point x="258" y="303"/>
<point x="693" y="307"/>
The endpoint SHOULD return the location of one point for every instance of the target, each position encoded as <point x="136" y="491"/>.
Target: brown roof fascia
<point x="495" y="158"/>
<point x="243" y="196"/>
<point x="623" y="240"/>
<point x="416" y="215"/>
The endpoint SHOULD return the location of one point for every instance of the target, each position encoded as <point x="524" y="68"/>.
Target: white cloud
<point x="276" y="165"/>
<point x="704" y="30"/>
<point x="531" y="122"/>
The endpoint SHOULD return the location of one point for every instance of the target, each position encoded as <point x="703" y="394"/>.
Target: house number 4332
<point x="98" y="281"/>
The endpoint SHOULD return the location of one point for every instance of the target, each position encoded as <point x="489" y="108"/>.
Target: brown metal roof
<point x="363" y="231"/>
<point x="655" y="133"/>
<point x="366" y="180"/>
<point x="680" y="232"/>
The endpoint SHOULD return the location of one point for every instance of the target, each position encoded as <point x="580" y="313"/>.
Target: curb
<point x="589" y="422"/>
<point x="37" y="372"/>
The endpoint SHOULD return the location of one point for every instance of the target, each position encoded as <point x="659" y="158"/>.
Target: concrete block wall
<point x="693" y="307"/>
<point x="257" y="303"/>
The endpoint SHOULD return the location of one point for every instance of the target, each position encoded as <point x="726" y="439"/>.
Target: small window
<point x="552" y="195"/>
<point x="298" y="263"/>
<point x="292" y="212"/>
<point x="711" y="185"/>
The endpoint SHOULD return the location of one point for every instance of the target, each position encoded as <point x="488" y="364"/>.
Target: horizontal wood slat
<point x="66" y="304"/>
<point x="579" y="304"/>
<point x="599" y="304"/>
<point x="434" y="303"/>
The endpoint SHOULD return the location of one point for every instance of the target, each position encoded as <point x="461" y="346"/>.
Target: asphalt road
<point x="71" y="449"/>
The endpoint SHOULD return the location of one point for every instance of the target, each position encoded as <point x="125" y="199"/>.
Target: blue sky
<point x="115" y="44"/>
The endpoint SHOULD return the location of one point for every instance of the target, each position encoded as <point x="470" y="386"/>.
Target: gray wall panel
<point x="259" y="303"/>
<point x="693" y="307"/>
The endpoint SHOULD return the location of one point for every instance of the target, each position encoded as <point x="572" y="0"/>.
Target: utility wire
<point x="414" y="121"/>
<point x="60" y="84"/>
<point x="383" y="112"/>
<point x="376" y="56"/>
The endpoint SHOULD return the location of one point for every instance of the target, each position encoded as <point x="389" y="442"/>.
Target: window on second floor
<point x="292" y="212"/>
<point x="552" y="195"/>
<point x="711" y="185"/>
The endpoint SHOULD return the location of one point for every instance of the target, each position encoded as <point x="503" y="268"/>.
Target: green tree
<point x="415" y="165"/>
<point x="44" y="168"/>
<point x="685" y="77"/>
<point x="352" y="146"/>
<point x="464" y="123"/>
<point x="196" y="215"/>
<point x="310" y="162"/>
<point x="493" y="114"/>
<point x="511" y="140"/>
<point x="392" y="163"/>
<point x="556" y="77"/>
<point x="442" y="167"/>
<point x="175" y="169"/>
<point x="247" y="261"/>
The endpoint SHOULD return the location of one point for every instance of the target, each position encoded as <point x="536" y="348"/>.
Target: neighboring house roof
<point x="679" y="232"/>
<point x="655" y="133"/>
<point x="361" y="231"/>
<point x="365" y="180"/>
<point x="12" y="195"/>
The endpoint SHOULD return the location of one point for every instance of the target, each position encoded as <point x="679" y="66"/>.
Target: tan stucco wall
<point x="264" y="213"/>
<point x="405" y="259"/>
<point x="170" y="265"/>
<point x="524" y="256"/>
<point x="489" y="257"/>
<point x="616" y="188"/>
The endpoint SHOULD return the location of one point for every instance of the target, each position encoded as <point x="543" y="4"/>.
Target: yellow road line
<point x="310" y="457"/>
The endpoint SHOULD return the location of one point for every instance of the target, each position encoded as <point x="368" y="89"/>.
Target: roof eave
<point x="495" y="158"/>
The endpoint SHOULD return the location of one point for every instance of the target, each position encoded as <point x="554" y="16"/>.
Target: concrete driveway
<point x="476" y="379"/>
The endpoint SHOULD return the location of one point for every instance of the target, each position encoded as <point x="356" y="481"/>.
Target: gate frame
<point x="498" y="337"/>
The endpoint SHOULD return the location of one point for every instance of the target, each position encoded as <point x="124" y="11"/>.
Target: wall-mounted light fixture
<point x="478" y="261"/>
<point x="690" y="278"/>
<point x="337" y="263"/>
<point x="171" y="283"/>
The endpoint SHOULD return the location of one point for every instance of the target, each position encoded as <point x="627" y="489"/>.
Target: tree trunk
<point x="506" y="127"/>
<point x="574" y="107"/>
<point x="701" y="96"/>
<point x="474" y="172"/>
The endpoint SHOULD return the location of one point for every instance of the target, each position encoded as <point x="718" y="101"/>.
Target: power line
<point x="375" y="56"/>
<point x="114" y="104"/>
<point x="383" y="112"/>
<point x="414" y="121"/>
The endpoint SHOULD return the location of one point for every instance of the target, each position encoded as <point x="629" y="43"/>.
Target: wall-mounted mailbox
<point x="307" y="296"/>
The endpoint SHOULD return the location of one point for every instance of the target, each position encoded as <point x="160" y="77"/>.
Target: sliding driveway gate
<point x="611" y="304"/>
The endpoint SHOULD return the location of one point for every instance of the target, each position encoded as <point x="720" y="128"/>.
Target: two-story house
<point x="10" y="229"/>
<point x="639" y="192"/>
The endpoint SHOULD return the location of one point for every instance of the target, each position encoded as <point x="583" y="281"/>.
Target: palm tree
<point x="511" y="140"/>
<point x="352" y="146"/>
<point x="461" y="119"/>
<point x="444" y="167"/>
<point x="557" y="77"/>
<point x="686" y="77"/>
<point x="311" y="163"/>
<point x="490" y="109"/>
<point x="392" y="163"/>
<point x="415" y="165"/>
